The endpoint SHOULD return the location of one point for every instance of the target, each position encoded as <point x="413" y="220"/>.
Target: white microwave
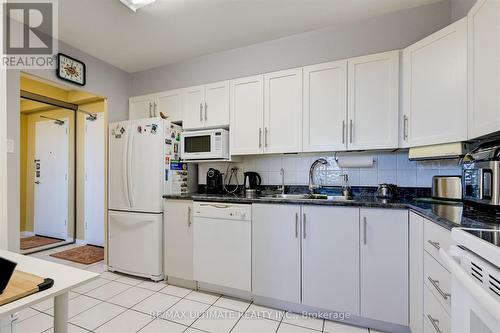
<point x="205" y="145"/>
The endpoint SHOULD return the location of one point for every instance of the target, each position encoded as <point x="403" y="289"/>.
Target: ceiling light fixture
<point x="134" y="5"/>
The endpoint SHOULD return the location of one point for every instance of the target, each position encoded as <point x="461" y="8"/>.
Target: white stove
<point x="475" y="269"/>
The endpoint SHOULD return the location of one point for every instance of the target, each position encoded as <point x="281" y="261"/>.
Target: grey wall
<point x="383" y="33"/>
<point x="102" y="79"/>
<point x="459" y="8"/>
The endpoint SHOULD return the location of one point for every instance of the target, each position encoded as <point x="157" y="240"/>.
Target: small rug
<point x="36" y="241"/>
<point x="87" y="254"/>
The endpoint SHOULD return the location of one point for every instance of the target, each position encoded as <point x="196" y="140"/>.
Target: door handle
<point x="405" y="127"/>
<point x="304" y="224"/>
<point x="206" y="108"/>
<point x="154" y="109"/>
<point x="189" y="216"/>
<point x="364" y="230"/>
<point x="435" y="244"/>
<point x="296" y="225"/>
<point x="434" y="323"/>
<point x="343" y="131"/>
<point x="201" y="112"/>
<point x="260" y="137"/>
<point x="435" y="284"/>
<point x="150" y="107"/>
<point x="265" y="136"/>
<point x="350" y="130"/>
<point x="37" y="182"/>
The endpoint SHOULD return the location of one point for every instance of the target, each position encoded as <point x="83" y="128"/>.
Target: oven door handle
<point x="485" y="299"/>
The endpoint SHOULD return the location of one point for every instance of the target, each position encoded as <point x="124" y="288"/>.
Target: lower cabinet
<point x="178" y="222"/>
<point x="330" y="258"/>
<point x="384" y="264"/>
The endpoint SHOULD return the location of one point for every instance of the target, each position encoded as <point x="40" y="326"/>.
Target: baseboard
<point x="27" y="234"/>
<point x="81" y="242"/>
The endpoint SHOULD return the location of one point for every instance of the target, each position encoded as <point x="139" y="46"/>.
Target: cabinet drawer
<point x="436" y="237"/>
<point x="438" y="280"/>
<point x="436" y="318"/>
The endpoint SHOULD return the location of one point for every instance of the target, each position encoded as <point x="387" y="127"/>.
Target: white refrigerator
<point x="144" y="164"/>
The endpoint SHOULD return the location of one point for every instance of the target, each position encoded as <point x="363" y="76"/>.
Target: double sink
<point x="307" y="197"/>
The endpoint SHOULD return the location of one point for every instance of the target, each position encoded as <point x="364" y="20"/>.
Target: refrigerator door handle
<point x="129" y="170"/>
<point x="125" y="168"/>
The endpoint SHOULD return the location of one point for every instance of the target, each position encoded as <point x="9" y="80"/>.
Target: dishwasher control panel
<point x="222" y="210"/>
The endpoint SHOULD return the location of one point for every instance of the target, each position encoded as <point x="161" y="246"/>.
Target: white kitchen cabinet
<point x="384" y="264"/>
<point x="283" y="111"/>
<point x="206" y="106"/>
<point x="435" y="88"/>
<point x="170" y="104"/>
<point x="416" y="283"/>
<point x="484" y="68"/>
<point x="333" y="233"/>
<point x="325" y="107"/>
<point x="276" y="251"/>
<point x="247" y="115"/>
<point x="373" y="101"/>
<point x="178" y="219"/>
<point x="141" y="107"/>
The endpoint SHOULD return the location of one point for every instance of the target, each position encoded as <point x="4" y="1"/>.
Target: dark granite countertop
<point x="446" y="215"/>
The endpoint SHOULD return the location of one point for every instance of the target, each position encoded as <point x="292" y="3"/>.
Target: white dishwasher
<point x="223" y="244"/>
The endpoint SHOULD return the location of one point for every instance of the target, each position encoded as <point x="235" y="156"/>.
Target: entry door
<point x="51" y="179"/>
<point x="94" y="181"/>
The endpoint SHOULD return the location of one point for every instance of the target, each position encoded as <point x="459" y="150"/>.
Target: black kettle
<point x="252" y="180"/>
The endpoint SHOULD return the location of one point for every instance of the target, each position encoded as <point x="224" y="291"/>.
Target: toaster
<point x="447" y="187"/>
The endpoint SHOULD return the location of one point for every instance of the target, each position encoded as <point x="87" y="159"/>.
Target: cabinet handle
<point x="343" y="131"/>
<point x="304" y="225"/>
<point x="260" y="137"/>
<point x="435" y="284"/>
<point x="364" y="230"/>
<point x="189" y="216"/>
<point x="201" y="112"/>
<point x="296" y="225"/>
<point x="206" y="108"/>
<point x="154" y="110"/>
<point x="265" y="136"/>
<point x="405" y="127"/>
<point x="435" y="244"/>
<point x="350" y="130"/>
<point x="150" y="106"/>
<point x="434" y="322"/>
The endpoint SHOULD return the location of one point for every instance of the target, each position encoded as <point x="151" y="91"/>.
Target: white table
<point x="65" y="278"/>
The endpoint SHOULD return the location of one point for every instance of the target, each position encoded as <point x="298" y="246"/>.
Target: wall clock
<point x="70" y="69"/>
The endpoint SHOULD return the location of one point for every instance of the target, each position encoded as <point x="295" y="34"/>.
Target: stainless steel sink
<point x="287" y="196"/>
<point x="307" y="197"/>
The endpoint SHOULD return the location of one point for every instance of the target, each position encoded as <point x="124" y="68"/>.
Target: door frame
<point x="4" y="227"/>
<point x="66" y="236"/>
<point x="102" y="116"/>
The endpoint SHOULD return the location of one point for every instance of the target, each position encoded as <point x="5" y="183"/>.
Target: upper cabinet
<point x="325" y="107"/>
<point x="373" y="101"/>
<point x="484" y="68"/>
<point x="283" y="111"/>
<point x="206" y="106"/>
<point x="169" y="103"/>
<point x="247" y="115"/>
<point x="435" y="88"/>
<point x="141" y="107"/>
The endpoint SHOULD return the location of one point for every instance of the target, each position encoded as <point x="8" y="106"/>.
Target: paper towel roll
<point x="355" y="161"/>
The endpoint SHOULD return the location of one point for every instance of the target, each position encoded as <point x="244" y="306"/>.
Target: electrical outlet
<point x="10" y="146"/>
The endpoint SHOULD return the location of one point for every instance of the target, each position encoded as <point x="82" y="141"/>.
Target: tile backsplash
<point x="388" y="167"/>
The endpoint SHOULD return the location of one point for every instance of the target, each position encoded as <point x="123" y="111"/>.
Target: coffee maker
<point x="214" y="181"/>
<point x="251" y="183"/>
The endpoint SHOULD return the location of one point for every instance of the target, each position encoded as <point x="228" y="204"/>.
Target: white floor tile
<point x="217" y="320"/>
<point x="96" y="316"/>
<point x="185" y="312"/>
<point x="97" y="268"/>
<point x="83" y="289"/>
<point x="26" y="313"/>
<point x="155" y="286"/>
<point x="203" y="297"/>
<point x="108" y="290"/>
<point x="133" y="281"/>
<point x="334" y="327"/>
<point x="157" y="303"/>
<point x="163" y="326"/>
<point x="176" y="291"/>
<point x="130" y="297"/>
<point x="194" y="330"/>
<point x="300" y="320"/>
<point x="110" y="276"/>
<point x="71" y="329"/>
<point x="251" y="324"/>
<point x="263" y="312"/>
<point x="77" y="305"/>
<point x="127" y="322"/>
<point x="232" y="304"/>
<point x="35" y="324"/>
<point x="287" y="328"/>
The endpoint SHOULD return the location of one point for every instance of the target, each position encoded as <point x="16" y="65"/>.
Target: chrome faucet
<point x="312" y="185"/>
<point x="282" y="187"/>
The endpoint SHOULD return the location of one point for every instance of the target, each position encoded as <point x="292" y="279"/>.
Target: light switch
<point x="10" y="146"/>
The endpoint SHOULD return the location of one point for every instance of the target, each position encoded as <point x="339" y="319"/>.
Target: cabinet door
<point x="178" y="247"/>
<point x="333" y="233"/>
<point x="170" y="104"/>
<point x="484" y="68"/>
<point x="384" y="265"/>
<point x="435" y="87"/>
<point x="325" y="107"/>
<point x="276" y="251"/>
<point x="140" y="107"/>
<point x="283" y="111"/>
<point x="416" y="277"/>
<point x="193" y="100"/>
<point x="373" y="100"/>
<point x="247" y="115"/>
<point x="216" y="108"/>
